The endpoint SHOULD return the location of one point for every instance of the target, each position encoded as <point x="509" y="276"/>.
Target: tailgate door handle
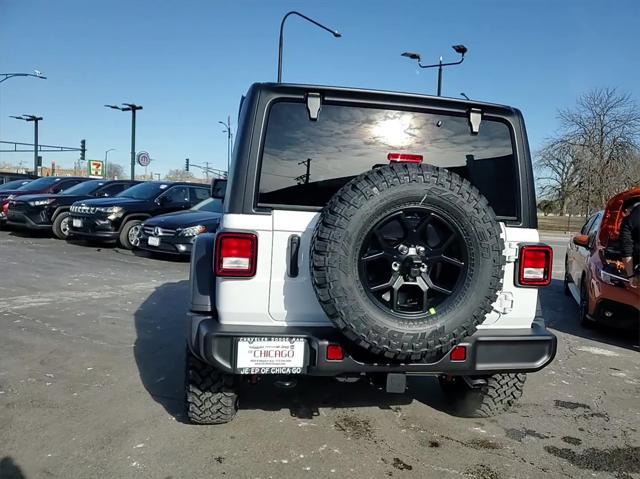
<point x="294" y="250"/>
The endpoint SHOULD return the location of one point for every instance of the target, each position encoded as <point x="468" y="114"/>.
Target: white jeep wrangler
<point x="370" y="233"/>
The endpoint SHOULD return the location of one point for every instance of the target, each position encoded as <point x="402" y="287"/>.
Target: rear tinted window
<point x="305" y="162"/>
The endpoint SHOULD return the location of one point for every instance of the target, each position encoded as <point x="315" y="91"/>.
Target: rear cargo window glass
<point x="305" y="162"/>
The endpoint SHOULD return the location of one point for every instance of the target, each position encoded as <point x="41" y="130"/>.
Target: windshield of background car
<point x="39" y="184"/>
<point x="305" y="162"/>
<point x="13" y="185"/>
<point x="84" y="188"/>
<point x="144" y="191"/>
<point x="211" y="205"/>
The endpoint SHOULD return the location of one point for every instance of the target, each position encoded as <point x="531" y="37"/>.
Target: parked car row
<point x="153" y="215"/>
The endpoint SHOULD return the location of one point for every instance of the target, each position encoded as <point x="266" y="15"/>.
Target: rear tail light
<point x="535" y="265"/>
<point x="335" y="352"/>
<point x="236" y="254"/>
<point x="459" y="353"/>
<point x="404" y="158"/>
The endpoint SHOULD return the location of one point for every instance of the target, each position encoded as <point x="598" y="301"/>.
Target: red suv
<point x="594" y="275"/>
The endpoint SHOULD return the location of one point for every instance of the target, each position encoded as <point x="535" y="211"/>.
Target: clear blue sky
<point x="189" y="62"/>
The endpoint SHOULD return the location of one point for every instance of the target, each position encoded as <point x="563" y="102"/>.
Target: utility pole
<point x="35" y="119"/>
<point x="304" y="179"/>
<point x="132" y="107"/>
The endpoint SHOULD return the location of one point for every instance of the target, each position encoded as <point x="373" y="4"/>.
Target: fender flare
<point x="58" y="211"/>
<point x="202" y="278"/>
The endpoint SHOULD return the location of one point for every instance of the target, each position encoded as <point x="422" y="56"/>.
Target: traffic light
<point x="83" y="149"/>
<point x="186" y="164"/>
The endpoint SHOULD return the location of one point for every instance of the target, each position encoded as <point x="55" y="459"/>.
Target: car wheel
<point x="498" y="393"/>
<point x="130" y="234"/>
<point x="60" y="226"/>
<point x="583" y="308"/>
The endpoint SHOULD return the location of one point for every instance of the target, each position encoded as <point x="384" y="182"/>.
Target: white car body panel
<point x="274" y="298"/>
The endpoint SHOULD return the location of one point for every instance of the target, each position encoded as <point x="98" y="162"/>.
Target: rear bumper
<point x="488" y="351"/>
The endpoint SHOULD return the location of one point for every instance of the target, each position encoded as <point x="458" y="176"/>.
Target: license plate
<point x="153" y="241"/>
<point x="270" y="355"/>
<point x="77" y="223"/>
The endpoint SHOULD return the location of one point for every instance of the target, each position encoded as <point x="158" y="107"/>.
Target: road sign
<point x="143" y="158"/>
<point x="96" y="168"/>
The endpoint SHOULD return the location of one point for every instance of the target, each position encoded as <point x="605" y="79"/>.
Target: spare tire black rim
<point x="413" y="261"/>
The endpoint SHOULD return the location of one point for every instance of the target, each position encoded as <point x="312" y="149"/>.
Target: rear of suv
<point x="375" y="234"/>
<point x="119" y="218"/>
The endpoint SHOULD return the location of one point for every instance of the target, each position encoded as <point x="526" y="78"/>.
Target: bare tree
<point x="596" y="153"/>
<point x="114" y="171"/>
<point x="179" y="175"/>
<point x="558" y="167"/>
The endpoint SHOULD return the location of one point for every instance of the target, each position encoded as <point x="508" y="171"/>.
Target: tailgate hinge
<point x="511" y="251"/>
<point x="504" y="303"/>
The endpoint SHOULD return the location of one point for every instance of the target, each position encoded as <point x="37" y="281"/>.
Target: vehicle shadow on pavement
<point x="9" y="469"/>
<point x="159" y="354"/>
<point x="170" y="258"/>
<point x="160" y="345"/>
<point x="315" y="393"/>
<point x="561" y="313"/>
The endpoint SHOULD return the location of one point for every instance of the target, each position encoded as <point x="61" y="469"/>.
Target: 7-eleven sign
<point x="96" y="169"/>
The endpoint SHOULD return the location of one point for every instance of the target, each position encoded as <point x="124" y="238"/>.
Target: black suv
<point x="48" y="211"/>
<point x="119" y="218"/>
<point x="174" y="233"/>
<point x="46" y="184"/>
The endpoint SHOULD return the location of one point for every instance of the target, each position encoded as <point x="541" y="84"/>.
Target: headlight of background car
<point x="193" y="230"/>
<point x="41" y="202"/>
<point x="113" y="211"/>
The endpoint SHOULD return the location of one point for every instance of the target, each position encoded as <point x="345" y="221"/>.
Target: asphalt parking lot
<point x="91" y="372"/>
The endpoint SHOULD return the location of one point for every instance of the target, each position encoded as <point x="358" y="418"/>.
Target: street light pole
<point x="105" y="160"/>
<point x="460" y="49"/>
<point x="35" y="119"/>
<point x="281" y="40"/>
<point x="132" y="107"/>
<point x="227" y="130"/>
<point x="36" y="74"/>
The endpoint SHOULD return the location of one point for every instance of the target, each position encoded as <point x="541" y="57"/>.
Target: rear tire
<point x="583" y="307"/>
<point x="567" y="280"/>
<point x="498" y="395"/>
<point x="129" y="238"/>
<point x="60" y="226"/>
<point x="210" y="394"/>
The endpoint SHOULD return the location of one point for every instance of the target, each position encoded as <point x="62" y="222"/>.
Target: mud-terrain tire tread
<point x="498" y="395"/>
<point x="210" y="394"/>
<point x="327" y="240"/>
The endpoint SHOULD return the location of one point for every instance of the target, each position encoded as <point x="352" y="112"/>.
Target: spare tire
<point x="406" y="260"/>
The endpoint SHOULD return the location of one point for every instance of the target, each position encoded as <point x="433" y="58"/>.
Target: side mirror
<point x="581" y="240"/>
<point x="161" y="201"/>
<point x="218" y="188"/>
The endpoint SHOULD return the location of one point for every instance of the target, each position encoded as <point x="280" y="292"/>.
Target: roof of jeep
<point x="382" y="93"/>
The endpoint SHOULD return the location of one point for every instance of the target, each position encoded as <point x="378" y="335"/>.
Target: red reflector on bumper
<point x="335" y="352"/>
<point x="459" y="353"/>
